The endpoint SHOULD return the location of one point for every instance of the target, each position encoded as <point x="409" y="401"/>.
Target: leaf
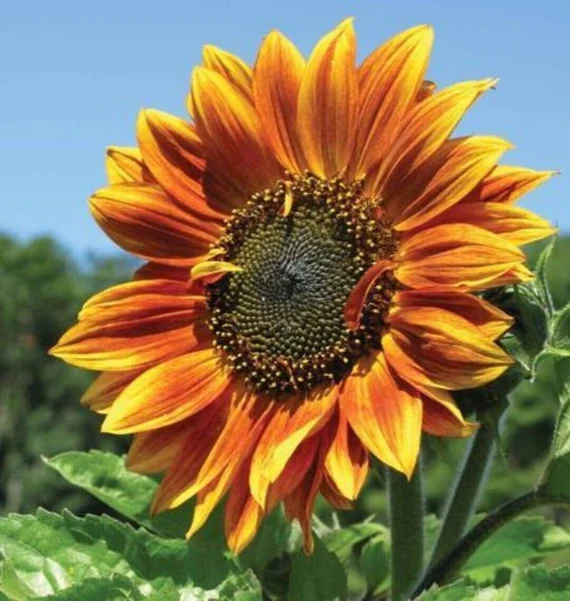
<point x="105" y="476"/>
<point x="47" y="553"/>
<point x="523" y="539"/>
<point x="560" y="337"/>
<point x="541" y="283"/>
<point x="532" y="319"/>
<point x="538" y="583"/>
<point x="342" y="541"/>
<point x="317" y="577"/>
<point x="375" y="563"/>
<point x="458" y="591"/>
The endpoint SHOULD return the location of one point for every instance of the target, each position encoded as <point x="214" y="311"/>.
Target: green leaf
<point x="458" y="591"/>
<point x="532" y="321"/>
<point x="317" y="577"/>
<point x="560" y="337"/>
<point x="541" y="283"/>
<point x="521" y="540"/>
<point x="538" y="583"/>
<point x="342" y="541"/>
<point x="375" y="563"/>
<point x="105" y="476"/>
<point x="47" y="553"/>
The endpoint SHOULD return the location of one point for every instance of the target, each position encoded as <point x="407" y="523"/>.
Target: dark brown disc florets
<point x="279" y="321"/>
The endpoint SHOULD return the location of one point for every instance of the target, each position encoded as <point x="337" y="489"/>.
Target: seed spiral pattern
<point x="279" y="321"/>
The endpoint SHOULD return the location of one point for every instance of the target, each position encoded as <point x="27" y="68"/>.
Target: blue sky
<point x="75" y="74"/>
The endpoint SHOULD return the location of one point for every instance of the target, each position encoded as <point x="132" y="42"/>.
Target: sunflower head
<point x="316" y="244"/>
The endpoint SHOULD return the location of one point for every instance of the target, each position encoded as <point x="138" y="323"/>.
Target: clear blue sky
<point x="74" y="75"/>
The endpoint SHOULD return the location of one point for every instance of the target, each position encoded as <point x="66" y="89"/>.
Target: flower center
<point x="280" y="320"/>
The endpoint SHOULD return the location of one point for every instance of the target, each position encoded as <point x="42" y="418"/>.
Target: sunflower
<point x="315" y="245"/>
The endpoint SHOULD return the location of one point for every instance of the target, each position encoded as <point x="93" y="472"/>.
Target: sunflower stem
<point x="463" y="499"/>
<point x="448" y="568"/>
<point x="407" y="530"/>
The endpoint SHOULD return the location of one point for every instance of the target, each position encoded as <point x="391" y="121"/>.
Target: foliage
<point x="131" y="555"/>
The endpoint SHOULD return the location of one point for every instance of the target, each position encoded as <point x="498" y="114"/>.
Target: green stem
<point x="448" y="568"/>
<point x="406" y="523"/>
<point x="462" y="502"/>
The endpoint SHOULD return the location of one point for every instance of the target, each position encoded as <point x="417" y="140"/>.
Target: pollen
<point x="302" y="247"/>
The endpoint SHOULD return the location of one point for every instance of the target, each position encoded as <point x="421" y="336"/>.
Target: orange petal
<point x="442" y="417"/>
<point x="230" y="127"/>
<point x="434" y="347"/>
<point x="390" y="79"/>
<point x="231" y="67"/>
<point x="514" y="224"/>
<point x="426" y="90"/>
<point x="359" y="294"/>
<point x="332" y="494"/>
<point x="385" y="414"/>
<point x="211" y="271"/>
<point x="152" y="452"/>
<point x="293" y="422"/>
<point x="276" y="82"/>
<point x="154" y="271"/>
<point x="175" y="155"/>
<point x="233" y="440"/>
<point x="126" y="327"/>
<point x="347" y="461"/>
<point x="300" y="502"/>
<point x="106" y="388"/>
<point x="328" y="103"/>
<point x="491" y="321"/>
<point x="243" y="514"/>
<point x="455" y="255"/>
<point x="453" y="172"/>
<point x="144" y="221"/>
<point x="516" y="275"/>
<point x="507" y="184"/>
<point x="168" y="393"/>
<point x="125" y="164"/>
<point x="426" y="128"/>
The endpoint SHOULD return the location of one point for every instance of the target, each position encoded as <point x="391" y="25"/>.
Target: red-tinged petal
<point x="106" y="388"/>
<point x="385" y="414"/>
<point x="243" y="514"/>
<point x="232" y="132"/>
<point x="211" y="271"/>
<point x="127" y="327"/>
<point x="443" y="417"/>
<point x="158" y="271"/>
<point x="347" y="461"/>
<point x="455" y="255"/>
<point x="153" y="452"/>
<point x="507" y="184"/>
<point x="491" y="321"/>
<point x="332" y="494"/>
<point x="276" y="82"/>
<point x="390" y="79"/>
<point x="168" y="393"/>
<point x="298" y="465"/>
<point x="453" y="172"/>
<point x="234" y="438"/>
<point x="359" y="294"/>
<point x="144" y="221"/>
<point x="434" y="347"/>
<point x="125" y="165"/>
<point x="517" y="275"/>
<point x="300" y="502"/>
<point x="293" y="422"/>
<point x="426" y="128"/>
<point x="231" y="67"/>
<point x="426" y="90"/>
<point x="328" y="103"/>
<point x="514" y="224"/>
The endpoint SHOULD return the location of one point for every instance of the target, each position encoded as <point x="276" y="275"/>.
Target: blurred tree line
<point x="41" y="291"/>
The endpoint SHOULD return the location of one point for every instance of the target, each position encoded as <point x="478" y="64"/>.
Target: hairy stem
<point x="448" y="568"/>
<point x="406" y="523"/>
<point x="463" y="499"/>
